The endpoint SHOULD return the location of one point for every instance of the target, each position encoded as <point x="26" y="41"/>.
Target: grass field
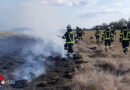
<point x="97" y="69"/>
<point x="103" y="70"/>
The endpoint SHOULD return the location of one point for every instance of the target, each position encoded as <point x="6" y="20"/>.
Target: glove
<point x="63" y="37"/>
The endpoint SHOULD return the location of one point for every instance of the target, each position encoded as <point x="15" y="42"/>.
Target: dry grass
<point x="8" y="34"/>
<point x="97" y="69"/>
<point x="104" y="70"/>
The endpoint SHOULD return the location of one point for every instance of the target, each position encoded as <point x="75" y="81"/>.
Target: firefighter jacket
<point x="70" y="37"/>
<point x="125" y="35"/>
<point x="97" y="33"/>
<point x="107" y="35"/>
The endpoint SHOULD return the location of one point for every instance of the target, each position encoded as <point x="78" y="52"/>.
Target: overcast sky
<point x="49" y="14"/>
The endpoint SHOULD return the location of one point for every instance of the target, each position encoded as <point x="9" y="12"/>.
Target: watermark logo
<point x="2" y="80"/>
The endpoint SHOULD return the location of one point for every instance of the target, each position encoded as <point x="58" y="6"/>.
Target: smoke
<point x="45" y="23"/>
<point x="35" y="56"/>
<point x="45" y="30"/>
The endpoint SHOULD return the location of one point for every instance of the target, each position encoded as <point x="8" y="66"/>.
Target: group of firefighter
<point x="108" y="36"/>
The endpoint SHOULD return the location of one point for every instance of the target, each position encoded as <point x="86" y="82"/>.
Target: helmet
<point x="77" y="27"/>
<point x="98" y="28"/>
<point x="68" y="26"/>
<point x="112" y="26"/>
<point x="124" y="26"/>
<point x="108" y="28"/>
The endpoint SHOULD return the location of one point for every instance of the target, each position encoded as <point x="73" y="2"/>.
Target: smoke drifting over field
<point x="35" y="56"/>
<point x="44" y="29"/>
<point x="29" y="54"/>
<point x="43" y="41"/>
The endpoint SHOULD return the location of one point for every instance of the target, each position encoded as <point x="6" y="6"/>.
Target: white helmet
<point x="68" y="26"/>
<point x="124" y="25"/>
<point x="112" y="26"/>
<point x="98" y="28"/>
<point x="108" y="28"/>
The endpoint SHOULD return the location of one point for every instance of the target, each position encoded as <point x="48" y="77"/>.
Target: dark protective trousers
<point x="79" y="34"/>
<point x="107" y="43"/>
<point x="97" y="37"/>
<point x="65" y="46"/>
<point x="70" y="48"/>
<point x="125" y="45"/>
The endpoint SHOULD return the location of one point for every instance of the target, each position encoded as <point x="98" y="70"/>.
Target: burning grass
<point x="95" y="69"/>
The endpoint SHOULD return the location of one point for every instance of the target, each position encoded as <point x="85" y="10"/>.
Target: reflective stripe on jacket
<point x="125" y="35"/>
<point x="97" y="33"/>
<point x="70" y="37"/>
<point x="107" y="35"/>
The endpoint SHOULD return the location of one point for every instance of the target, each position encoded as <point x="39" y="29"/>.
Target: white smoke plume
<point x="34" y="58"/>
<point x="45" y="29"/>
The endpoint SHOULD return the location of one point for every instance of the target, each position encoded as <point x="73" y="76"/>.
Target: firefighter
<point x="113" y="32"/>
<point x="70" y="37"/>
<point x="107" y="36"/>
<point x="125" y="38"/>
<point x="97" y="34"/>
<point x="79" y="33"/>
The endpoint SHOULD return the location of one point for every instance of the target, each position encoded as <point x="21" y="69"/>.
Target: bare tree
<point x="117" y="24"/>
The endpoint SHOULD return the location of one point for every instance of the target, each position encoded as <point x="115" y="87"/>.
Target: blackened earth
<point x="58" y="75"/>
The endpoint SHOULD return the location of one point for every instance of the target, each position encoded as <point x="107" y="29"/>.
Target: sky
<point x="56" y="14"/>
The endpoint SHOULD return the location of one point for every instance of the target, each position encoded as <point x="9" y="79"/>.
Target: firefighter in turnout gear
<point x="125" y="38"/>
<point x="107" y="36"/>
<point x="97" y="34"/>
<point x="79" y="33"/>
<point x="113" y="32"/>
<point x="70" y="37"/>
